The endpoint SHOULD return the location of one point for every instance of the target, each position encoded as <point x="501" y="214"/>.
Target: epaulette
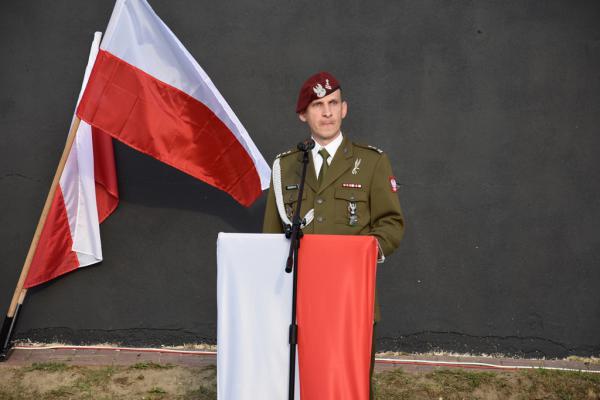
<point x="285" y="153"/>
<point x="368" y="146"/>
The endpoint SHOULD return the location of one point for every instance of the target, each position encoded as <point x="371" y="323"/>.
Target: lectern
<point x="335" y="310"/>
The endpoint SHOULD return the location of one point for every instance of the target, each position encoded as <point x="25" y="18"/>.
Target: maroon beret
<point x="319" y="85"/>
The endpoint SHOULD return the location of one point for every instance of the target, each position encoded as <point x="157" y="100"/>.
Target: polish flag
<point x="87" y="194"/>
<point x="147" y="91"/>
<point x="335" y="313"/>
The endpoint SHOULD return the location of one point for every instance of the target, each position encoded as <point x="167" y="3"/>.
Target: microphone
<point x="306" y="145"/>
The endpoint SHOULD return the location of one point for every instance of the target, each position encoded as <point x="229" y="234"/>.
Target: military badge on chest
<point x="289" y="211"/>
<point x="356" y="166"/>
<point x="352" y="217"/>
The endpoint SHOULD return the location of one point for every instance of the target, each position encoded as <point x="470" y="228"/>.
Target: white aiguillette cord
<point x="277" y="187"/>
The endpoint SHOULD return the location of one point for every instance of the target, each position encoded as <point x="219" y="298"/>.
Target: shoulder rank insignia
<point x="377" y="149"/>
<point x="368" y="146"/>
<point x="285" y="153"/>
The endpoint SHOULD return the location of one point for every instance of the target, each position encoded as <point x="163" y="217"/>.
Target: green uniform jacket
<point x="358" y="174"/>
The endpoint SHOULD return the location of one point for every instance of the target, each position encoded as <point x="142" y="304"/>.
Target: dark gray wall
<point x="489" y="112"/>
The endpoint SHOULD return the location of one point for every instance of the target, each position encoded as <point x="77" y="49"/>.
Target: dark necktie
<point x="325" y="155"/>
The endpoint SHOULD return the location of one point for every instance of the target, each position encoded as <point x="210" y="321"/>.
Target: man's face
<point x="324" y="116"/>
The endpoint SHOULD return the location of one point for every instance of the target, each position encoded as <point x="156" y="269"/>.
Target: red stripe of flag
<point x="167" y="124"/>
<point x="336" y="292"/>
<point x="105" y="174"/>
<point x="53" y="256"/>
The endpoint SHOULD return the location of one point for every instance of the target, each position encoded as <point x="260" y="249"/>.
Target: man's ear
<point x="344" y="109"/>
<point x="302" y="116"/>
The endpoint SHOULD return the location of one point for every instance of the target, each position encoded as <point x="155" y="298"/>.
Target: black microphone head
<point x="306" y="145"/>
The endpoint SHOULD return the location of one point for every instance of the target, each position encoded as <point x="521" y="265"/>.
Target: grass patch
<point x="60" y="393"/>
<point x="207" y="390"/>
<point x="461" y="380"/>
<point x="157" y="390"/>
<point x="151" y="365"/>
<point x="94" y="378"/>
<point x="56" y="381"/>
<point x="451" y="384"/>
<point x="47" y="367"/>
<point x="202" y="393"/>
<point x="562" y="385"/>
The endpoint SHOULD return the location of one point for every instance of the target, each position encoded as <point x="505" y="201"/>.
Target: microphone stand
<point x="294" y="233"/>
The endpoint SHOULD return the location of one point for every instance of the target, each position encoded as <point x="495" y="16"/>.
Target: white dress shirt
<point x="331" y="149"/>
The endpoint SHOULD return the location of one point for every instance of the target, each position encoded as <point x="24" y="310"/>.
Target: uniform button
<point x="320" y="219"/>
<point x="320" y="201"/>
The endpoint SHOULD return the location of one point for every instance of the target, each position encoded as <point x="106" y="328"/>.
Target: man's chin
<point x="326" y="135"/>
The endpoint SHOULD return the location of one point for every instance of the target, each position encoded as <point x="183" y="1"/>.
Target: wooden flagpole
<point x="20" y="293"/>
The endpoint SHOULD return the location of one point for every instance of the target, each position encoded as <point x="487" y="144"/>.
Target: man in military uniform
<point x="350" y="188"/>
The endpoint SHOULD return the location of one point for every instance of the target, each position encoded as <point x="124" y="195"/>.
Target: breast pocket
<point x="352" y="207"/>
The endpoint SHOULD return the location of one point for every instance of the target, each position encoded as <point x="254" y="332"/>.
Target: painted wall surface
<point x="489" y="112"/>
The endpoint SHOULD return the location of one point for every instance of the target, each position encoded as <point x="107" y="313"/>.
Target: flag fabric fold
<point x="147" y="91"/>
<point x="335" y="312"/>
<point x="70" y="238"/>
<point x="105" y="174"/>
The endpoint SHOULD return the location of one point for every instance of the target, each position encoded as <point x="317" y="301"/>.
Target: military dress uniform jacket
<point x="359" y="182"/>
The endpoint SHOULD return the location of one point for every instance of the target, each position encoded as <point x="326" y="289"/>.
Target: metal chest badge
<point x="356" y="166"/>
<point x="289" y="211"/>
<point x="352" y="218"/>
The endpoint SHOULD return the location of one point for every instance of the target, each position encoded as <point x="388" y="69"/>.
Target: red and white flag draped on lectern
<point x="335" y="311"/>
<point x="87" y="194"/>
<point x="147" y="91"/>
